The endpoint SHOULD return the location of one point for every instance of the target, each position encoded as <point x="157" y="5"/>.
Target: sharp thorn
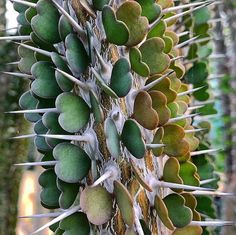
<point x="47" y="163"/>
<point x="182" y="117"/>
<point x="216" y="193"/>
<point x="195" y="107"/>
<point x="26" y="3"/>
<point x="190" y="91"/>
<point x="34" y="111"/>
<point x="59" y="218"/>
<point x="187" y="42"/>
<point x="38" y="216"/>
<point x="20" y="75"/>
<point x="196" y="153"/>
<point x="177" y="58"/>
<point x="104" y="177"/>
<point x="195" y="130"/>
<point x="15" y="38"/>
<point x="212" y="223"/>
<point x="155" y="146"/>
<point x="23" y="136"/>
<point x="81" y="138"/>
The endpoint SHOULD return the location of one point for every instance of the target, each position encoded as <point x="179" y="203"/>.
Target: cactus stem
<point x="182" y="117"/>
<point x="34" y="111"/>
<point x="38" y="216"/>
<point x="187" y="42"/>
<point x="212" y="223"/>
<point x="15" y="38"/>
<point x="77" y="27"/>
<point x="195" y="130"/>
<point x="82" y="85"/>
<point x="210" y="193"/>
<point x="104" y="177"/>
<point x="81" y="138"/>
<point x="152" y="84"/>
<point x="190" y="91"/>
<point x="47" y="163"/>
<point x="204" y="152"/>
<point x="59" y="218"/>
<point x="186" y="12"/>
<point x="20" y="75"/>
<point x="26" y="3"/>
<point x="43" y="52"/>
<point x="176" y="8"/>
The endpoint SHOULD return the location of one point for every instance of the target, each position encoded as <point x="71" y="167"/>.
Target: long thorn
<point x="216" y="193"/>
<point x="34" y="111"/>
<point x="41" y="51"/>
<point x="185" y="13"/>
<point x="155" y="146"/>
<point x="81" y="138"/>
<point x="213" y="223"/>
<point x="26" y="3"/>
<point x="47" y="163"/>
<point x="73" y="79"/>
<point x="23" y="136"/>
<point x="186" y="42"/>
<point x="179" y="186"/>
<point x="190" y="91"/>
<point x="152" y="84"/>
<point x="59" y="218"/>
<point x="104" y="177"/>
<point x="177" y="58"/>
<point x="195" y="107"/>
<point x="38" y="216"/>
<point x="202" y="182"/>
<point x="15" y="38"/>
<point x="182" y="117"/>
<point x="20" y="75"/>
<point x="195" y="130"/>
<point x="183" y="34"/>
<point x="77" y="27"/>
<point x="204" y="152"/>
<point x="176" y="8"/>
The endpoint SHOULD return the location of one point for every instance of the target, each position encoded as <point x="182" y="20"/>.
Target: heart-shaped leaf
<point x="96" y="202"/>
<point x="157" y="139"/>
<point x="68" y="193"/>
<point x="39" y="141"/>
<point x="137" y="64"/>
<point x="64" y="26"/>
<point x="27" y="58"/>
<point x="137" y="24"/>
<point x="45" y="84"/>
<point x="64" y="83"/>
<point x="74" y="112"/>
<point x="163" y="86"/>
<point x="150" y="9"/>
<point x="191" y="139"/>
<point x="153" y="55"/>
<point x="27" y="101"/>
<point x="171" y="172"/>
<point x="112" y="138"/>
<point x="191" y="202"/>
<point x="112" y="26"/>
<point x="50" y="121"/>
<point x="158" y="30"/>
<point x="76" y="55"/>
<point x="49" y="195"/>
<point x="121" y="78"/>
<point x="159" y="103"/>
<point x="173" y="138"/>
<point x="73" y="163"/>
<point x="45" y="23"/>
<point x="179" y="214"/>
<point x="144" y="114"/>
<point x="75" y="223"/>
<point x="125" y="203"/>
<point x="162" y="212"/>
<point x="132" y="139"/>
<point x="188" y="173"/>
